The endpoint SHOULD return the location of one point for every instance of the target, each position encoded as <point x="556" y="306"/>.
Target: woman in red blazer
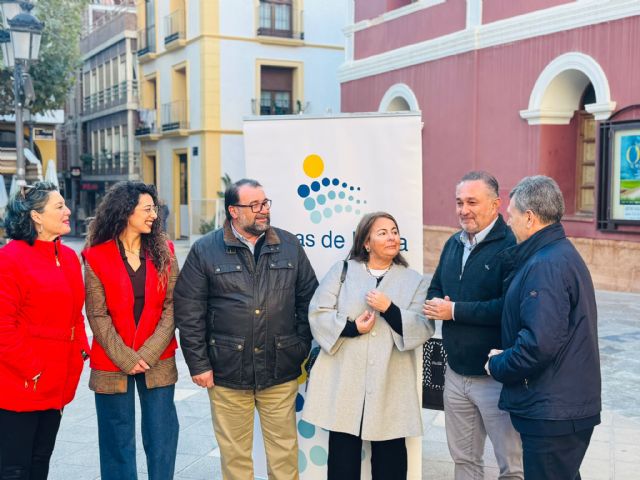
<point x="42" y="337"/>
<point x="130" y="272"/>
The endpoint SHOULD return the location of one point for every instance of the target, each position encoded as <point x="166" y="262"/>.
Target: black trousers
<point x="388" y="458"/>
<point x="557" y="457"/>
<point x="26" y="443"/>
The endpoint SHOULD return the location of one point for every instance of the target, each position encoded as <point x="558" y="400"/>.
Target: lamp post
<point x="19" y="52"/>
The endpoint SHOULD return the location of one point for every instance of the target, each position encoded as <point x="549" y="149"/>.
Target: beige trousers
<point x="232" y="412"/>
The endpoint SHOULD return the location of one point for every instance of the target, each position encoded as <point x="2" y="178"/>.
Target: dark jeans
<point x="388" y="458"/>
<point x="26" y="443"/>
<point x="117" y="436"/>
<point x="558" y="457"/>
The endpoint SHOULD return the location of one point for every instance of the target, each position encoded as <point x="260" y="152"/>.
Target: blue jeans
<point x="117" y="435"/>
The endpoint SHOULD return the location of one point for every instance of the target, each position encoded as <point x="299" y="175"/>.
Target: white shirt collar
<point x="478" y="237"/>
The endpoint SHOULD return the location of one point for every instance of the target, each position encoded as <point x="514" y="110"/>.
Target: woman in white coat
<point x="368" y="324"/>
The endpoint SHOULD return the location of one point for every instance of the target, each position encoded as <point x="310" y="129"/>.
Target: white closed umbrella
<point x="51" y="175"/>
<point x="14" y="186"/>
<point x="31" y="158"/>
<point x="4" y="198"/>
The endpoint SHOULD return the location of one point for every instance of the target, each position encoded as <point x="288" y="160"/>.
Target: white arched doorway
<point x="557" y="92"/>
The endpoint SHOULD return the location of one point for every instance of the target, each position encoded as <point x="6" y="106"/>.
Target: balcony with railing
<point x="174" y="116"/>
<point x="147" y="125"/>
<point x="174" y="29"/>
<point x="280" y="19"/>
<point x="112" y="23"/>
<point x="147" y="41"/>
<point x="113" y="164"/>
<point x="119" y="94"/>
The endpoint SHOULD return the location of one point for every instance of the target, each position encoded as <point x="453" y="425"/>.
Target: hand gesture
<point x="204" y="380"/>
<point x="365" y="322"/>
<point x="139" y="367"/>
<point x="439" y="308"/>
<point x="378" y="300"/>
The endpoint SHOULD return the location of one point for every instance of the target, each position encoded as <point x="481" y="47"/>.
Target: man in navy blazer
<point x="550" y="367"/>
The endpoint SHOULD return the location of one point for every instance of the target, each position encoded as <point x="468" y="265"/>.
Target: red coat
<point x="41" y="326"/>
<point x="106" y="262"/>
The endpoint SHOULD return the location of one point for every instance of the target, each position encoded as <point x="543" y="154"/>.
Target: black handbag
<point x="434" y="364"/>
<point x="315" y="351"/>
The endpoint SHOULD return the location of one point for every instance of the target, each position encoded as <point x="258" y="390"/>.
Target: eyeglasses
<point x="257" y="207"/>
<point x="150" y="208"/>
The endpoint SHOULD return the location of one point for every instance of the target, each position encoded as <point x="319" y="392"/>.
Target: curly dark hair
<point x="112" y="216"/>
<point x="17" y="221"/>
<point x="363" y="231"/>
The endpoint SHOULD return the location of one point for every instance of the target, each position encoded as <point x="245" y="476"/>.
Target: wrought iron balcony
<point x="174" y="116"/>
<point x="174" y="27"/>
<point x="147" y="40"/>
<point x="147" y="125"/>
<point x="114" y="163"/>
<point x="119" y="94"/>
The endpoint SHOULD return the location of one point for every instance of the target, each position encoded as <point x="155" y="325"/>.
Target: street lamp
<point x="26" y="32"/>
<point x="10" y="8"/>
<point x="22" y="49"/>
<point x="7" y="49"/>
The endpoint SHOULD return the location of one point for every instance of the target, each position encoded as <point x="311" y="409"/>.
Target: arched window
<point x="399" y="98"/>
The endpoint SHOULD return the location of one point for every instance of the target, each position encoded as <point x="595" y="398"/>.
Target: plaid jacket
<point x="162" y="372"/>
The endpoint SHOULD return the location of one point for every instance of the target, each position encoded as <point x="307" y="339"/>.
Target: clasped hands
<point x="438" y="308"/>
<point x="139" y="367"/>
<point x="379" y="302"/>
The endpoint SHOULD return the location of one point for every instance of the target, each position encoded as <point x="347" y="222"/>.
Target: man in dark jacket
<point x="241" y="306"/>
<point x="466" y="293"/>
<point x="550" y="367"/>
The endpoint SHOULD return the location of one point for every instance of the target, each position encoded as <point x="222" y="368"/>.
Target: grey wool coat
<point x="371" y="378"/>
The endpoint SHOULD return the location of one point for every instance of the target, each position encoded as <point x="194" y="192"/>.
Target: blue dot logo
<point x="318" y="456"/>
<point x="330" y="190"/>
<point x="306" y="429"/>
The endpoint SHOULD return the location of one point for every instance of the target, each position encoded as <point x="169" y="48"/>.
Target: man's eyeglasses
<point x="257" y="207"/>
<point x="150" y="208"/>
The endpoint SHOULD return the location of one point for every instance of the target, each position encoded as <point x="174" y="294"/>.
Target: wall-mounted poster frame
<point x="619" y="193"/>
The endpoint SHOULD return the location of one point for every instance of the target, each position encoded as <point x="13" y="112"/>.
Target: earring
<point x="367" y="249"/>
<point x="40" y="228"/>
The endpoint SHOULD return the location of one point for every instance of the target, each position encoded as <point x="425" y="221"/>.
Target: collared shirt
<point x="238" y="235"/>
<point x="469" y="245"/>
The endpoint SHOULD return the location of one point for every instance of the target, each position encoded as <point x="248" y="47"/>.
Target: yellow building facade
<point x="204" y="65"/>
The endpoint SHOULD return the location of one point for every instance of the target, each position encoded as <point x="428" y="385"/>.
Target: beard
<point x="258" y="229"/>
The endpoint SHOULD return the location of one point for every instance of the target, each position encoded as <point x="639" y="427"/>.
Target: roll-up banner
<point x="323" y="174"/>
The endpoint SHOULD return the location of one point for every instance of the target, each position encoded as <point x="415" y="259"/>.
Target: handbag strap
<point x="343" y="275"/>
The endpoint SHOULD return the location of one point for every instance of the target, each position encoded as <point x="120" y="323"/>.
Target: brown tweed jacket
<point x="162" y="372"/>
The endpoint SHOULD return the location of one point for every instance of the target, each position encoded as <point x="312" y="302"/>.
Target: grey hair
<point x="541" y="195"/>
<point x="488" y="179"/>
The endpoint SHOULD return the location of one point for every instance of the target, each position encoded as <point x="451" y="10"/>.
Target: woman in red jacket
<point x="130" y="272"/>
<point x="42" y="336"/>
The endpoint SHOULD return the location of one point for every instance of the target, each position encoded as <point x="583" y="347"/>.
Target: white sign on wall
<point x="323" y="174"/>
